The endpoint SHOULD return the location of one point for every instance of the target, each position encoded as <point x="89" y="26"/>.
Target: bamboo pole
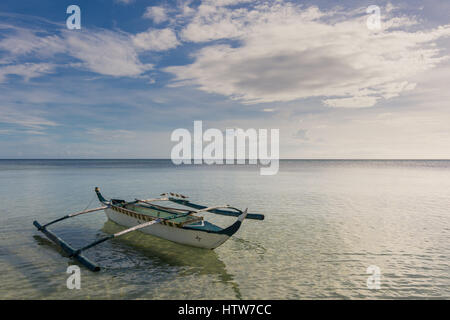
<point x="74" y="215"/>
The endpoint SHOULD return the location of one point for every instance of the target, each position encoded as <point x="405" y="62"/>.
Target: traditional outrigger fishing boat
<point x="179" y="225"/>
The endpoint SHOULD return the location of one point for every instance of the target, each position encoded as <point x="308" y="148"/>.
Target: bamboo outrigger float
<point x="175" y="224"/>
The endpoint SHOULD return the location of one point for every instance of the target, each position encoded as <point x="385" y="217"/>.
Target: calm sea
<point x="326" y="223"/>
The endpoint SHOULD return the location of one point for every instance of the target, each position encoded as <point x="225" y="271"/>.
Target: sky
<point x="137" y="70"/>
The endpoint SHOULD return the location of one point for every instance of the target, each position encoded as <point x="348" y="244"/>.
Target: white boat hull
<point x="188" y="237"/>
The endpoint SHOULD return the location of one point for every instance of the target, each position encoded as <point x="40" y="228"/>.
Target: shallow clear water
<point x="326" y="222"/>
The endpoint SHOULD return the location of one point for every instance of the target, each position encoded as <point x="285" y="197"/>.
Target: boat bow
<point x="100" y="197"/>
<point x="235" y="226"/>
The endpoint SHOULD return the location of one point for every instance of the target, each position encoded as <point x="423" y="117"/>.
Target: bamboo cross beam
<point x="165" y="208"/>
<point x="189" y="204"/>
<point x="152" y="200"/>
<point x="86" y="211"/>
<point x="149" y="201"/>
<point x="216" y="207"/>
<point x="73" y="215"/>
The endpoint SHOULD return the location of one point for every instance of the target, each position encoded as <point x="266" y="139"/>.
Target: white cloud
<point x="26" y="70"/>
<point x="212" y="22"/>
<point x="125" y="2"/>
<point x="156" y="13"/>
<point x="415" y="134"/>
<point x="224" y="3"/>
<point x="105" y="52"/>
<point x="30" y="120"/>
<point x="112" y="53"/>
<point x="353" y="102"/>
<point x="281" y="51"/>
<point x="289" y="52"/>
<point x="301" y="134"/>
<point x="156" y="40"/>
<point x="111" y="134"/>
<point x="23" y="41"/>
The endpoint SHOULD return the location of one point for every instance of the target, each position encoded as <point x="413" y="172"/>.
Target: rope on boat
<point x="90" y="202"/>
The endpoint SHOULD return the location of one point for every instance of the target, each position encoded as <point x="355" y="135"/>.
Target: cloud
<point x="112" y="53"/>
<point x="156" y="40"/>
<point x="156" y="13"/>
<point x="26" y="70"/>
<point x="30" y="120"/>
<point x="301" y="134"/>
<point x="224" y="3"/>
<point x="286" y="52"/>
<point x="353" y="102"/>
<point x="253" y="52"/>
<point x="110" y="135"/>
<point x="211" y="22"/>
<point x="105" y="52"/>
<point x="21" y="41"/>
<point x="369" y="133"/>
<point x="125" y="2"/>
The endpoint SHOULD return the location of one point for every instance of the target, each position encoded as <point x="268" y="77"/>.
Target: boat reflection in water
<point x="138" y="250"/>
